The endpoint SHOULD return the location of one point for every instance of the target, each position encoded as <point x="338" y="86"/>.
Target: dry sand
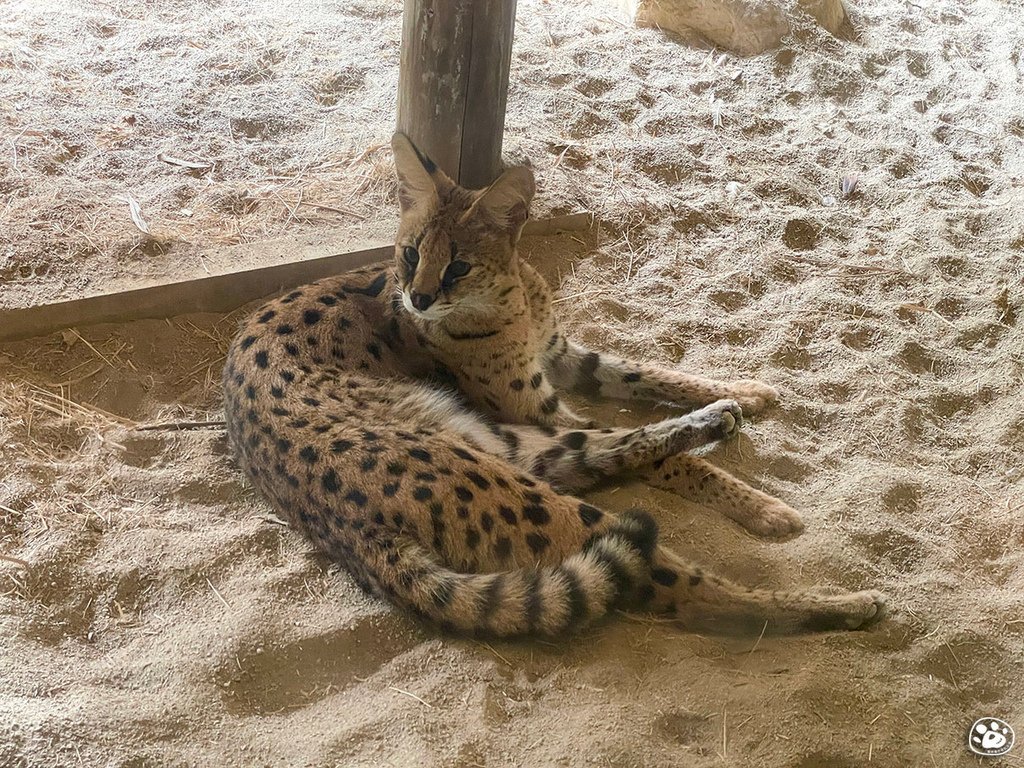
<point x="164" y="618"/>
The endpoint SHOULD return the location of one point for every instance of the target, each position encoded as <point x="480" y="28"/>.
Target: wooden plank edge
<point x="215" y="293"/>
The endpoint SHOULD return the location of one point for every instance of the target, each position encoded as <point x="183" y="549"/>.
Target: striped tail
<point x="546" y="601"/>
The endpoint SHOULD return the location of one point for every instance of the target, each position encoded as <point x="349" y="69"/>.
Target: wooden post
<point x="453" y="83"/>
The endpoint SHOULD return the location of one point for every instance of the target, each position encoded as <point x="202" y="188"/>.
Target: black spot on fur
<point x="340" y="446"/>
<point x="537" y="542"/>
<point x="511" y="440"/>
<point x="664" y="576"/>
<point x="463" y="454"/>
<point x="309" y="454"/>
<point x="536" y="514"/>
<point x="247" y="342"/>
<point x="629" y="378"/>
<point x="267" y="316"/>
<point x="590" y="515"/>
<point x="641" y="529"/>
<point x="586" y="382"/>
<point x="288" y="376"/>
<point x="368" y="464"/>
<point x="534" y="604"/>
<point x="645" y="594"/>
<point x="507" y="514"/>
<point x="276" y="391"/>
<point x="577" y="597"/>
<point x="311" y="316"/>
<point x="373" y="289"/>
<point x="330" y="481"/>
<point x="471" y="335"/>
<point x="390" y="489"/>
<point x="550" y="405"/>
<point x="357" y="497"/>
<point x="503" y="547"/>
<point x="472" y="538"/>
<point x="250" y="392"/>
<point x="328" y="300"/>
<point x="537" y="380"/>
<point x="421" y="454"/>
<point x="373" y="349"/>
<point x="463" y="493"/>
<point x="517" y="385"/>
<point x="478" y="480"/>
<point x="620" y="574"/>
<point x="486" y="522"/>
<point x="284" y="445"/>
<point x="423" y="494"/>
<point x="695" y="579"/>
<point x="291" y="349"/>
<point x="574" y="440"/>
<point x="262" y="360"/>
<point x="284" y="329"/>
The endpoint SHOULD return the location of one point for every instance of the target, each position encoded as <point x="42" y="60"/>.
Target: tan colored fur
<point x="406" y="419"/>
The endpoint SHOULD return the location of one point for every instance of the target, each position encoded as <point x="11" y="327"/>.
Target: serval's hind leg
<point x="699" y="480"/>
<point x="573" y="460"/>
<point x="703" y="601"/>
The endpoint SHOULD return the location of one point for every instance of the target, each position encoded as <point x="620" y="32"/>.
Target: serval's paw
<point x="774" y="520"/>
<point x="852" y="610"/>
<point x="722" y="419"/>
<point x="866" y="608"/>
<point x="753" y="396"/>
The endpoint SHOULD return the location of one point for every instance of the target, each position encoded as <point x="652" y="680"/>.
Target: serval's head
<point x="455" y="247"/>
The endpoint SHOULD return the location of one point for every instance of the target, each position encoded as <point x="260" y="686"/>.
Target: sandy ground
<point x="162" y="617"/>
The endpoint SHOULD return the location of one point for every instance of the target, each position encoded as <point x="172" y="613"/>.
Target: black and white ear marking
<point x="415" y="185"/>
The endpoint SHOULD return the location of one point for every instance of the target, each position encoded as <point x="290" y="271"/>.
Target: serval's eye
<point x="410" y="256"/>
<point x="456" y="270"/>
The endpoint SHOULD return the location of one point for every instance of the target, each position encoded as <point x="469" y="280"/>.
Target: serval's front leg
<point x="694" y="478"/>
<point x="573" y="460"/>
<point x="596" y="374"/>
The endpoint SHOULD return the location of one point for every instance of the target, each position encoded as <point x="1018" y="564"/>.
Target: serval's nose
<point x="422" y="301"/>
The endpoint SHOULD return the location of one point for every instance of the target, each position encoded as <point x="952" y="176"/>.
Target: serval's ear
<point x="506" y="203"/>
<point x="419" y="178"/>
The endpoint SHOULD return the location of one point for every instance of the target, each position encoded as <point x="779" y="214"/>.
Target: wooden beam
<point x="453" y="83"/>
<point x="212" y="293"/>
<point x="224" y="292"/>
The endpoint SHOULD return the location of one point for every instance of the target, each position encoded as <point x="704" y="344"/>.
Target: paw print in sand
<point x="990" y="736"/>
